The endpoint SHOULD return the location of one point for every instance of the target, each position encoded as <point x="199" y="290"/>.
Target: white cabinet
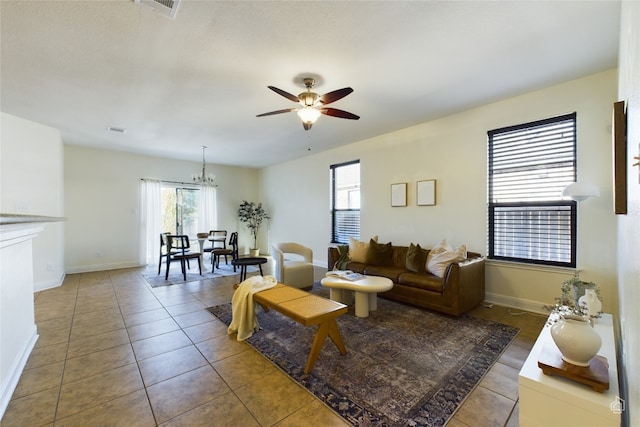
<point x="556" y="401"/>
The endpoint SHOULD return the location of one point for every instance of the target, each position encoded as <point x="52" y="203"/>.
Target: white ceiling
<point x="200" y="79"/>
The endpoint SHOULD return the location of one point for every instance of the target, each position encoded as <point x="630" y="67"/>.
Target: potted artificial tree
<point x="253" y="215"/>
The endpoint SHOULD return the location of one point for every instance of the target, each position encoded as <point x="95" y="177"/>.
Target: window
<point x="180" y="210"/>
<point x="529" y="166"/>
<point x="345" y="201"/>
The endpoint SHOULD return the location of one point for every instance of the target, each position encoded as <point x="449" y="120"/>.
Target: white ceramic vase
<point x="591" y="301"/>
<point x="577" y="340"/>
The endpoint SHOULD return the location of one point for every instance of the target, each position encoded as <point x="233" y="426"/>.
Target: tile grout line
<point x="66" y="354"/>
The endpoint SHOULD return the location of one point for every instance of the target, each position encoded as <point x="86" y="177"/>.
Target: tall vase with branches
<point x="253" y="215"/>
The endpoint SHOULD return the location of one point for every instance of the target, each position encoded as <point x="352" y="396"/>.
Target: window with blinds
<point x="529" y="166"/>
<point x="345" y="201"/>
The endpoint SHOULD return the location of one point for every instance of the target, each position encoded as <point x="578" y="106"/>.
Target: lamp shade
<point x="308" y="115"/>
<point x="580" y="191"/>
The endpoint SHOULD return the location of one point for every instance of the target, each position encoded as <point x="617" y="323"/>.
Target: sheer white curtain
<point x="207" y="217"/>
<point x="150" y="221"/>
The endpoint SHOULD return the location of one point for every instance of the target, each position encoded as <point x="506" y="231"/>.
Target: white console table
<point x="556" y="401"/>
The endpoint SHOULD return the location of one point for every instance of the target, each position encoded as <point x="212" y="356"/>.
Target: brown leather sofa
<point x="459" y="290"/>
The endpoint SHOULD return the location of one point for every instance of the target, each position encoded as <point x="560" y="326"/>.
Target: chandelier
<point x="203" y="178"/>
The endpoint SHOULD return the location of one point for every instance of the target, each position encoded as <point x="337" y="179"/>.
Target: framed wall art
<point x="619" y="137"/>
<point x="426" y="193"/>
<point x="399" y="194"/>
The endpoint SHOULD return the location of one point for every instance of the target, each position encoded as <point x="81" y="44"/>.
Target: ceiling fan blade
<point x="271" y="113"/>
<point x="330" y="97"/>
<point x="339" y="113"/>
<point x="285" y="94"/>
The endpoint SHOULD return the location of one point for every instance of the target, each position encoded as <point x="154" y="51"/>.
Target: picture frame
<point x="619" y="137"/>
<point x="426" y="192"/>
<point x="399" y="194"/>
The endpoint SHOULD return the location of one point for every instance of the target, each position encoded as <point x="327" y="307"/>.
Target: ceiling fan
<point x="312" y="104"/>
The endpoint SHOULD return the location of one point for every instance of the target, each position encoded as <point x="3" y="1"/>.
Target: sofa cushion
<point x="390" y="272"/>
<point x="379" y="253"/>
<point x="427" y="282"/>
<point x="358" y="249"/>
<point x="442" y="255"/>
<point x="416" y="259"/>
<point x="358" y="267"/>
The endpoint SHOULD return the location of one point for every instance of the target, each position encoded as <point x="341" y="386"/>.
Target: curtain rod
<point x="168" y="182"/>
<point x="174" y="182"/>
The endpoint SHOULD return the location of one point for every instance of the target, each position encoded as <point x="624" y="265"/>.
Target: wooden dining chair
<point x="225" y="252"/>
<point x="178" y="248"/>
<point x="164" y="251"/>
<point x="218" y="237"/>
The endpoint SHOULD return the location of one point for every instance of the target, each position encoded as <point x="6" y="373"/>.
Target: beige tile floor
<point x="115" y="352"/>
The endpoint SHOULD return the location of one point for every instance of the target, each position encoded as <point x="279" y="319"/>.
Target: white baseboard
<point x="43" y="286"/>
<point x="519" y="303"/>
<point x="15" y="371"/>
<point x="101" y="267"/>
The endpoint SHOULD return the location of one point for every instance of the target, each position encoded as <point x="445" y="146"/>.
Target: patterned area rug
<point x="154" y="279"/>
<point x="404" y="366"/>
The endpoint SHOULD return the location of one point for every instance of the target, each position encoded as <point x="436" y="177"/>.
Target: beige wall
<point x="453" y="151"/>
<point x="102" y="202"/>
<point x="629" y="225"/>
<point x="31" y="182"/>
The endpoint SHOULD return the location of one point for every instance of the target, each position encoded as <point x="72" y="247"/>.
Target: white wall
<point x="102" y="202"/>
<point x="629" y="225"/>
<point x="31" y="182"/>
<point x="453" y="150"/>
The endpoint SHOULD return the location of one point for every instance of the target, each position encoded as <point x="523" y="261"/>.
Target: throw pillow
<point x="358" y="250"/>
<point x="442" y="255"/>
<point x="343" y="260"/>
<point x="416" y="259"/>
<point x="379" y="253"/>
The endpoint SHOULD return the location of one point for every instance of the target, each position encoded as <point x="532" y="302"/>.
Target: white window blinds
<point x="345" y="201"/>
<point x="528" y="167"/>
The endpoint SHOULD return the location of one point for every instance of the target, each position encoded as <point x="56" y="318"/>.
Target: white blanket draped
<point x="244" y="321"/>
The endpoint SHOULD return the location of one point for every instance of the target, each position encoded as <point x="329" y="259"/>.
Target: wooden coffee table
<point x="307" y="309"/>
<point x="366" y="290"/>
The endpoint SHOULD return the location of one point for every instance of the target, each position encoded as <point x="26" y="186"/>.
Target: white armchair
<point x="294" y="264"/>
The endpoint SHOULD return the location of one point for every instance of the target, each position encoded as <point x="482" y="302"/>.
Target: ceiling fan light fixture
<point x="308" y="99"/>
<point x="308" y="115"/>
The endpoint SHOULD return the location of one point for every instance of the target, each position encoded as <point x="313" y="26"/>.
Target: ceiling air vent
<point x="168" y="8"/>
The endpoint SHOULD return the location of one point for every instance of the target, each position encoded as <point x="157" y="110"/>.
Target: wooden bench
<point x="308" y="310"/>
